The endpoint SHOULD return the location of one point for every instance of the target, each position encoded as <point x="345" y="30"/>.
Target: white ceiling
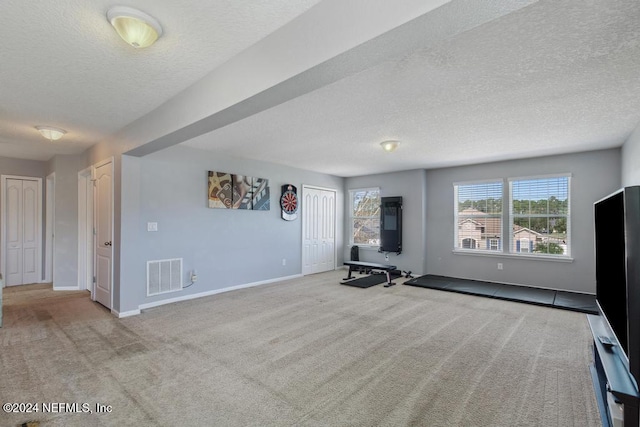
<point x="63" y="65"/>
<point x="552" y="77"/>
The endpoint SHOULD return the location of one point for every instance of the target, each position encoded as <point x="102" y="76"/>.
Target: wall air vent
<point x="164" y="276"/>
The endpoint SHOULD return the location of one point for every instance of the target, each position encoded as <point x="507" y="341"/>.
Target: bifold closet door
<point x="22" y="242"/>
<point x="319" y="238"/>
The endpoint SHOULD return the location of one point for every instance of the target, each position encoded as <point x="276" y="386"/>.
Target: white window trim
<point x="456" y="239"/>
<point x="546" y="176"/>
<point x="479" y="181"/>
<point x="567" y="257"/>
<point x="351" y="193"/>
<point x="499" y="254"/>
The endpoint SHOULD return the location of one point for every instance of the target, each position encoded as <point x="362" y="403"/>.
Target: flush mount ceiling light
<point x="135" y="27"/>
<point x="51" y="133"/>
<point x="389" y="146"/>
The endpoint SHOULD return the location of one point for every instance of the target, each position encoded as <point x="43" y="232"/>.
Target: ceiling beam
<point x="441" y="22"/>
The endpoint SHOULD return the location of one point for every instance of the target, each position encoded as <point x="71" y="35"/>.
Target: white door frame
<point x="85" y="230"/>
<point x="3" y="220"/>
<point x="335" y="213"/>
<point x="50" y="220"/>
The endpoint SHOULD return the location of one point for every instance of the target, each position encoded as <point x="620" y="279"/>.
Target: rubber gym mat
<point x="551" y="298"/>
<point x="367" y="281"/>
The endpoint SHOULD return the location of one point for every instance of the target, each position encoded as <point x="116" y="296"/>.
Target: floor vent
<point x="164" y="276"/>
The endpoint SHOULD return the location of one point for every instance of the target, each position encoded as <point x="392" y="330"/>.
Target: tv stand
<point x="610" y="375"/>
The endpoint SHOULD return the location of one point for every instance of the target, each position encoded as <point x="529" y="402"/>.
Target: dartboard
<point x="289" y="202"/>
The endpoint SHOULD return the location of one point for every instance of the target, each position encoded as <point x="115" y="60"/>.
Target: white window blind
<point x="539" y="215"/>
<point x="478" y="216"/>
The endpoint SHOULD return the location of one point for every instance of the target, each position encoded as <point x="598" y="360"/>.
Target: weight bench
<point x="355" y="265"/>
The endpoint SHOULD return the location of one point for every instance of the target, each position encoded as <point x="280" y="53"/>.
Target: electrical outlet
<point x="284" y="261"/>
<point x="194" y="276"/>
<point x="152" y="226"/>
<point x="499" y="266"/>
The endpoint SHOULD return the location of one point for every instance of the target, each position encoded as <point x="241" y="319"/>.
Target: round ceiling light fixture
<point x="134" y="26"/>
<point x="389" y="146"/>
<point x="51" y="133"/>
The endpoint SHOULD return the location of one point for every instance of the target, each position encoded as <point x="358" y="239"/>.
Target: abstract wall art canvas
<point x="232" y="191"/>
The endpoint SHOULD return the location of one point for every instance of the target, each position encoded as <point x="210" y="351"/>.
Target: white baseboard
<point x="212" y="292"/>
<point x="65" y="288"/>
<point x="125" y="313"/>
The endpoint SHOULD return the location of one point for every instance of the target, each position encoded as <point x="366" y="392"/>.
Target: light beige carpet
<point x="306" y="352"/>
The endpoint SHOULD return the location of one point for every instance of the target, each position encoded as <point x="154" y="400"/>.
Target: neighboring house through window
<point x="539" y="215"/>
<point x="365" y="216"/>
<point x="478" y="215"/>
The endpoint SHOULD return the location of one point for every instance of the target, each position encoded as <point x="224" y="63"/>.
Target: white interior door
<point x="22" y="214"/>
<point x="103" y="233"/>
<point x="319" y="230"/>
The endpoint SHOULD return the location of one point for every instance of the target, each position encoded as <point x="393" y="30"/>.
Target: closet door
<point x="319" y="225"/>
<point x="22" y="228"/>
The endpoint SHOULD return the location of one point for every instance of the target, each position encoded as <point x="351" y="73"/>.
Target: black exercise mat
<point x="526" y="294"/>
<point x="473" y="287"/>
<point x="367" y="281"/>
<point x="578" y="302"/>
<point x="546" y="297"/>
<point x="429" y="281"/>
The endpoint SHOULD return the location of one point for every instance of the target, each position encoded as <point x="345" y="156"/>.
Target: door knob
<point x="107" y="243"/>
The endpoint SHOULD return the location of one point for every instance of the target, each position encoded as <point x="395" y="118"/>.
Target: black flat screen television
<point x="611" y="280"/>
<point x="617" y="244"/>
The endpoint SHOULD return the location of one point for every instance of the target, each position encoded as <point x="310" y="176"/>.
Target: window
<point x="365" y="217"/>
<point x="539" y="215"/>
<point x="468" y="243"/>
<point x="478" y="215"/>
<point x="523" y="245"/>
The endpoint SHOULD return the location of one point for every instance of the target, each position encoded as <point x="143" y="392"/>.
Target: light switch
<point x="152" y="226"/>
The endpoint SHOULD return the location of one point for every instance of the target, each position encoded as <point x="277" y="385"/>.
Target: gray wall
<point x="65" y="249"/>
<point x="411" y="185"/>
<point x="105" y="150"/>
<point x="226" y="247"/>
<point x="594" y="175"/>
<point x="9" y="166"/>
<point x="631" y="159"/>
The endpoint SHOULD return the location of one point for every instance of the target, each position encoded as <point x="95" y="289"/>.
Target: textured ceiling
<point x="63" y="65"/>
<point x="552" y="77"/>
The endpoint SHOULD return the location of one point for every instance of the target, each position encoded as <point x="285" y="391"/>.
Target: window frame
<point x="458" y="245"/>
<point x="512" y="240"/>
<point x="352" y="193"/>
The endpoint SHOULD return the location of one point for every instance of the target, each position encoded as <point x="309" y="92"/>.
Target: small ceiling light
<point x="51" y="133"/>
<point x="135" y="27"/>
<point x="389" y="146"/>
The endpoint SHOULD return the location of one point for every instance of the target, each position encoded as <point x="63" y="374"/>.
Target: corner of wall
<point x="630" y="156"/>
